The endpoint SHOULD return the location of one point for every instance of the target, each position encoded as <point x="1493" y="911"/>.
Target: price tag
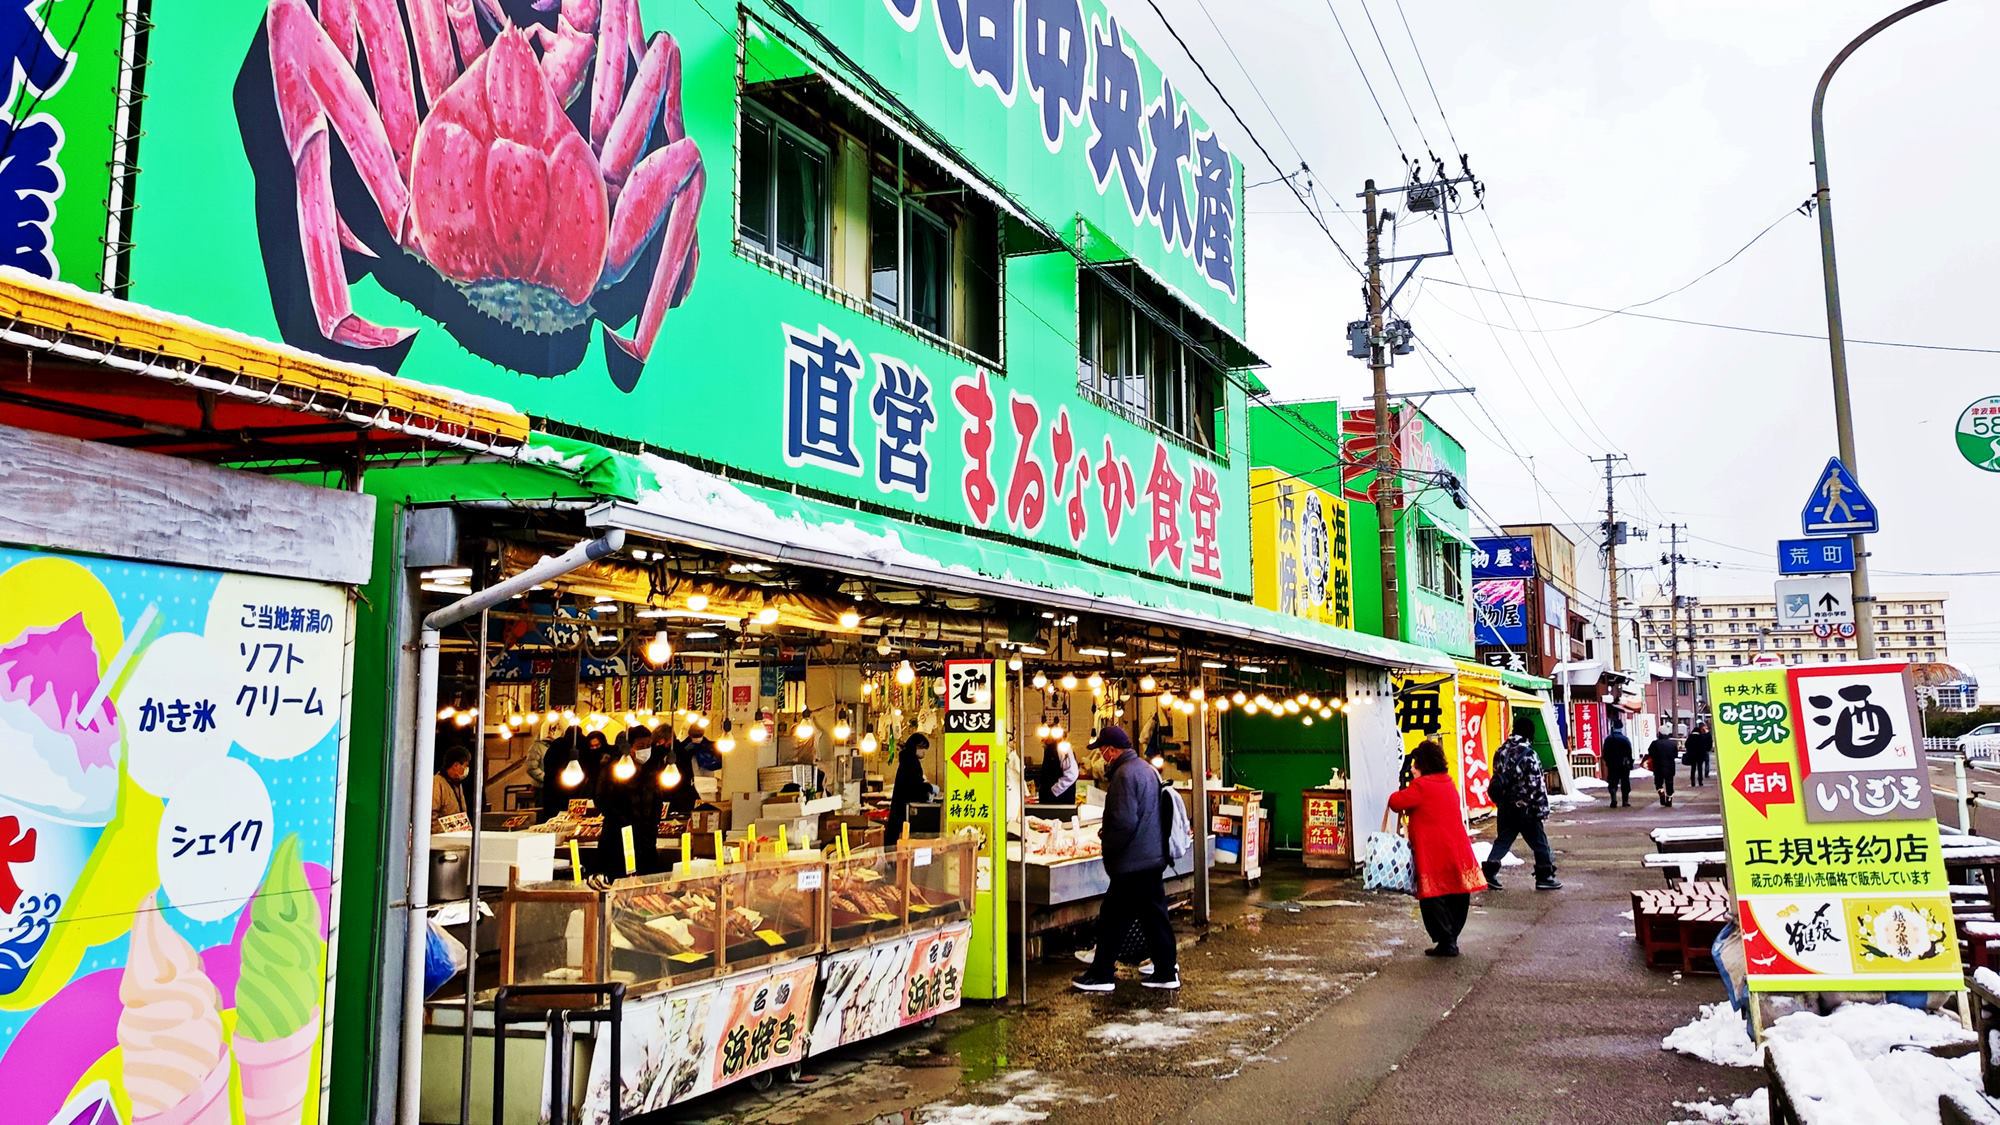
<point x="771" y="937"/>
<point x="687" y="849"/>
<point x="922" y="858"/>
<point x="721" y="855"/>
<point x="784" y="845"/>
<point x="919" y="907"/>
<point x="688" y="958"/>
<point x="811" y="878"/>
<point x="575" y="863"/>
<point x="879" y="917"/>
<point x="631" y="857"/>
<point x="843" y="842"/>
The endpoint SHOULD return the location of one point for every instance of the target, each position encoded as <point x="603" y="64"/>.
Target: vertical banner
<point x="1840" y="884"/>
<point x="975" y="796"/>
<point x="1586" y="723"/>
<point x="1427" y="707"/>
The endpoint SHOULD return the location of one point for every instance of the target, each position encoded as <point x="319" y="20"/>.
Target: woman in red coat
<point x="1440" y="849"/>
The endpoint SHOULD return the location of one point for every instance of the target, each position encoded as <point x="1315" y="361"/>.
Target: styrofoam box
<point x="533" y="852"/>
<point x="798" y="830"/>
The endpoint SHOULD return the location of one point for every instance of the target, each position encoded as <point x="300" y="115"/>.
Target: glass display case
<point x="552" y="933"/>
<point x="772" y="910"/>
<point x="865" y="896"/>
<point x="663" y="931"/>
<point x="942" y="873"/>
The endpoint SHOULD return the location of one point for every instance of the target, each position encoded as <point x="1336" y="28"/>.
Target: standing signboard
<point x="1833" y="855"/>
<point x="975" y="796"/>
<point x="1328" y="839"/>
<point x="1587" y="721"/>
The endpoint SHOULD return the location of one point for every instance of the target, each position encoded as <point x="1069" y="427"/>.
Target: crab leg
<point x="389" y="67"/>
<point x="607" y="87"/>
<point x="337" y="17"/>
<point x="465" y="26"/>
<point x="566" y="51"/>
<point x="315" y="89"/>
<point x="659" y="72"/>
<point x="435" y="62"/>
<point x="666" y="185"/>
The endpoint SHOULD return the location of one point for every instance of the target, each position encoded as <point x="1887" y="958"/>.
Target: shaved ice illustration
<point x="170" y="1031"/>
<point x="91" y="1106"/>
<point x="278" y="995"/>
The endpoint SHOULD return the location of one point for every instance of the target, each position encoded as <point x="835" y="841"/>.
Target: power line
<point x="1363" y="71"/>
<point x="1397" y="78"/>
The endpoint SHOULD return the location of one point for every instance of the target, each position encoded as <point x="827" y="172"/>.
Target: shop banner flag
<point x="1840" y="884"/>
<point x="975" y="796"/>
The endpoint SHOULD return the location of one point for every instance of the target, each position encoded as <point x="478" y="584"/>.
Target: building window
<point x="909" y="260"/>
<point x="1735" y="658"/>
<point x="1707" y="612"/>
<point x="1732" y="611"/>
<point x="1825" y="659"/>
<point x="1454" y="573"/>
<point x="1930" y="657"/>
<point x="1797" y="643"/>
<point x="782" y="191"/>
<point x="1149" y="357"/>
<point x="1708" y="644"/>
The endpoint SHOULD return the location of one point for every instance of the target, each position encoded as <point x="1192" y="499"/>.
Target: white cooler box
<point x="533" y="852"/>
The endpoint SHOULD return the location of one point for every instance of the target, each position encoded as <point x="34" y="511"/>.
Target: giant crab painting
<point x="509" y="167"/>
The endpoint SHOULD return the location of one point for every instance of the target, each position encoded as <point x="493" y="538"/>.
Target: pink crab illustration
<point x="492" y="185"/>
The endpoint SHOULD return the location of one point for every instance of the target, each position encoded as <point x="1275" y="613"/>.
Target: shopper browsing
<point x="1134" y="839"/>
<point x="1521" y="801"/>
<point x="1616" y="758"/>
<point x="1447" y="874"/>
<point x="910" y="787"/>
<point x="1663" y="757"/>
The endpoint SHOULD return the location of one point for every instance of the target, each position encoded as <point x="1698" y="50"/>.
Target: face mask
<point x="641" y="754"/>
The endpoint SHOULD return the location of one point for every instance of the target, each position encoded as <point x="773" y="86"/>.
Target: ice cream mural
<point x="171" y="743"/>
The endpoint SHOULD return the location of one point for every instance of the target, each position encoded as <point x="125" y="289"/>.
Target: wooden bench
<point x="1956" y="1107"/>
<point x="1700" y="924"/>
<point x="1982" y="989"/>
<point x="1820" y="1082"/>
<point x="1683" y="867"/>
<point x="1687" y="837"/>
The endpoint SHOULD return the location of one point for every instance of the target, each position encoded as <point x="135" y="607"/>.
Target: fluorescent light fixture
<point x="1100" y="652"/>
<point x="446" y="572"/>
<point x="435" y="588"/>
<point x="1253" y="669"/>
<point x="1156" y="660"/>
<point x="649" y="614"/>
<point x="1213" y="664"/>
<point x="703" y="635"/>
<point x="1033" y="650"/>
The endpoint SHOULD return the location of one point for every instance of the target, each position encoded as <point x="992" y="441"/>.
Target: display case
<point x="552" y="933"/>
<point x="664" y="931"/>
<point x="865" y="896"/>
<point x="942" y="873"/>
<point x="772" y="910"/>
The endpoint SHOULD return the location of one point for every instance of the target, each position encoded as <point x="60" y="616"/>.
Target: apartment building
<point x="1731" y="629"/>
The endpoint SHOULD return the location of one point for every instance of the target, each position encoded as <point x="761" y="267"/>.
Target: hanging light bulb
<point x="1291" y="706"/>
<point x="1042" y="731"/>
<point x="1057" y="731"/>
<point x="670" y="777"/>
<point x="1250" y="708"/>
<point x="701" y="722"/>
<point x="804" y="731"/>
<point x="1187" y="707"/>
<point x="1336" y="704"/>
<point x="1197" y="694"/>
<point x="768" y="615"/>
<point x="1095" y="681"/>
<point x="1159" y="762"/>
<point x="446" y="712"/>
<point x="726" y="743"/>
<point x="624" y="768"/>
<point x="572" y="774"/>
<point x="1013" y="664"/>
<point x="867" y="688"/>
<point x="1238" y="698"/>
<point x="1308" y="720"/>
<point x="937" y="687"/>
<point x="697" y="602"/>
<point x="1068" y="681"/>
<point x="841" y="731"/>
<point x="869" y="743"/>
<point x="1301" y="698"/>
<point x="1148" y="683"/>
<point x="660" y="649"/>
<point x="1264" y="701"/>
<point x="1325" y="713"/>
<point x="1040" y="681"/>
<point x="1063" y="747"/>
<point x="759" y="733"/>
<point x="631" y="720"/>
<point x="882" y="646"/>
<point x="1222" y="704"/>
<point x="849" y="619"/>
<point x="550" y="717"/>
<point x="905" y="674"/>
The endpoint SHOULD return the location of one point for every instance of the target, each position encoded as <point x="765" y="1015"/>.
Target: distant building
<point x="1729" y="630"/>
<point x="1961" y="694"/>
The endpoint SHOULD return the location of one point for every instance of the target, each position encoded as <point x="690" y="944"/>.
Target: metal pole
<point x="1611" y="555"/>
<point x="1019" y="714"/>
<point x="472" y="885"/>
<point x="1198" y="809"/>
<point x="1387" y="498"/>
<point x="1836" y="336"/>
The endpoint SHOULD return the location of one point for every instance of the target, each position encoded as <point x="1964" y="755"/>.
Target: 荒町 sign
<point x="1832" y="844"/>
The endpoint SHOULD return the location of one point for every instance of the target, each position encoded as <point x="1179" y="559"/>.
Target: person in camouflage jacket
<point x="1521" y="801"/>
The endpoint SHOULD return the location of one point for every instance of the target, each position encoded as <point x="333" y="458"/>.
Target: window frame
<point x="780" y="128"/>
<point x="910" y="210"/>
<point x="1133" y="389"/>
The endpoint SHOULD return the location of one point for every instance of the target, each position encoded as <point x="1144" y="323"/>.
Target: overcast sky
<point x="1626" y="148"/>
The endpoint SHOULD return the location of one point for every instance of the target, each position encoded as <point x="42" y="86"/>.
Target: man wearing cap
<point x="1135" y="856"/>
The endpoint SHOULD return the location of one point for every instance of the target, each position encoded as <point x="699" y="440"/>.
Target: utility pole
<point x="1688" y="610"/>
<point x="1836" y="334"/>
<point x="1673" y="606"/>
<point x="1610" y="462"/>
<point x="1388" y="489"/>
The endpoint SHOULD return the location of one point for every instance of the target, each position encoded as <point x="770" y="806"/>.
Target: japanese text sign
<point x="975" y="796"/>
<point x="1300" y="554"/>
<point x="1500" y="611"/>
<point x="1840" y="884"/>
<point x="1503" y="556"/>
<point x="764" y="1022"/>
<point x="1326" y="826"/>
<point x="1815" y="556"/>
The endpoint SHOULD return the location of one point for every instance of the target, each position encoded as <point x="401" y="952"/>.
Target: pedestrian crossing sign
<point x="1837" y="505"/>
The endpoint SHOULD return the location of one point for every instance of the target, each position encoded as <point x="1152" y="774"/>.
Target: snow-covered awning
<point x="1578" y="673"/>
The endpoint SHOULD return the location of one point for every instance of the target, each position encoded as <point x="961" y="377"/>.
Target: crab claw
<point x="652" y="191"/>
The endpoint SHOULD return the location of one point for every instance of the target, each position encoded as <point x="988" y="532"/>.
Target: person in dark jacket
<point x="1700" y="745"/>
<point x="564" y="749"/>
<point x="624" y="803"/>
<point x="1057" y="777"/>
<point x="1135" y="857"/>
<point x="682" y="796"/>
<point x="1446" y="872"/>
<point x="910" y="787"/>
<point x="1616" y="758"/>
<point x="1663" y="757"/>
<point x="1520" y="804"/>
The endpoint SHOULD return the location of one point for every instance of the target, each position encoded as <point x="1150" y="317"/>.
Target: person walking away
<point x="1663" y="757"/>
<point x="448" y="784"/>
<point x="1135" y="857"/>
<point x="910" y="787"/>
<point x="1520" y="798"/>
<point x="650" y="755"/>
<point x="1616" y="757"/>
<point x="1447" y="874"/>
<point x="1056" y="779"/>
<point x="1700" y="746"/>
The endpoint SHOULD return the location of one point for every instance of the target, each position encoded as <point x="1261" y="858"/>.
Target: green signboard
<point x="1833" y="846"/>
<point x="614" y="227"/>
<point x="1979" y="433"/>
<point x="56" y="135"/>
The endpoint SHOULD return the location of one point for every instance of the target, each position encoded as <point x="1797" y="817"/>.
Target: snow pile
<point x="686" y="493"/>
<point x="1863" y="1063"/>
<point x="1031" y="1097"/>
<point x="1177" y="1028"/>
<point x="1559" y="801"/>
<point x="1591" y="783"/>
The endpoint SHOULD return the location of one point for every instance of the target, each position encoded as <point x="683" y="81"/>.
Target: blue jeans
<point x="1528" y="826"/>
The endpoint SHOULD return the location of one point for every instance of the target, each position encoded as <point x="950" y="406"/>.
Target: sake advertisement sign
<point x="171" y="740"/>
<point x="1839" y="887"/>
<point x="976" y="738"/>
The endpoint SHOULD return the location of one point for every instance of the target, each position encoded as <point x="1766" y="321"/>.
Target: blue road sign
<point x="1837" y="505"/>
<point x="1815" y="556"/>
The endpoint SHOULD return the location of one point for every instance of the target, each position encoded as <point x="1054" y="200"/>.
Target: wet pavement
<point x="1308" y="1000"/>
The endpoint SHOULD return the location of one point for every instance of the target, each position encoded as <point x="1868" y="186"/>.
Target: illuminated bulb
<point x="514" y="720"/>
<point x="1308" y="720"/>
<point x="1222" y="704"/>
<point x="982" y="697"/>
<point x="1013" y="664"/>
<point x="725" y="744"/>
<point x="624" y="768"/>
<point x="1250" y="708"/>
<point x="905" y="675"/>
<point x="660" y="649"/>
<point x="1148" y="683"/>
<point x="1334" y="704"/>
<point x="1068" y="681"/>
<point x="550" y="717"/>
<point x="1063" y="746"/>
<point x="569" y="716"/>
<point x="465" y="718"/>
<point x="572" y="774"/>
<point x="768" y="615"/>
<point x="1197" y="694"/>
<point x="1238" y="698"/>
<point x="883" y="647"/>
<point x="697" y="602"/>
<point x="1187" y="708"/>
<point x="1291" y="706"/>
<point x="758" y="733"/>
<point x="804" y="730"/>
<point x="867" y="688"/>
<point x="849" y="619"/>
<point x="1159" y="762"/>
<point x="1301" y="698"/>
<point x="842" y="732"/>
<point x="869" y="743"/>
<point x="1095" y="681"/>
<point x="1057" y="731"/>
<point x="671" y="776"/>
<point x="1042" y="730"/>
<point x="1315" y="704"/>
<point x="701" y="722"/>
<point x="445" y="713"/>
<point x="631" y="720"/>
<point x="1264" y="701"/>
<point x="1040" y="682"/>
<point x="1325" y="713"/>
<point x="937" y="687"/>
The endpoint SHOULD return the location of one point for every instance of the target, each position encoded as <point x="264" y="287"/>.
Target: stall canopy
<point x="651" y="495"/>
<point x="100" y="369"/>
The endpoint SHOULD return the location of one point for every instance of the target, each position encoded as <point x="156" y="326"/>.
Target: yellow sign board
<point x="1299" y="549"/>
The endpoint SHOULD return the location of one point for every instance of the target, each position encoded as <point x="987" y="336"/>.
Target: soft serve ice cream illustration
<point x="170" y="1030"/>
<point x="278" y="995"/>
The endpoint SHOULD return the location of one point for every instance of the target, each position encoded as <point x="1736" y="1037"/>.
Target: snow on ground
<point x="1560" y="801"/>
<point x="1031" y="1096"/>
<point x="1175" y="1029"/>
<point x="1872" y="1061"/>
<point x="1590" y="783"/>
<point x="1330" y="902"/>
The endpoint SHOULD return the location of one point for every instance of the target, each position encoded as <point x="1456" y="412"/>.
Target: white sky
<point x="1627" y="147"/>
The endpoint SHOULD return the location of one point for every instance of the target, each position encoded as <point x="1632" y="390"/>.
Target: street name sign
<point x="1837" y="506"/>
<point x="1819" y="599"/>
<point x="1816" y="556"/>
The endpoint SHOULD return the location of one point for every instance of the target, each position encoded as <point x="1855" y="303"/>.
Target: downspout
<point x="423" y="762"/>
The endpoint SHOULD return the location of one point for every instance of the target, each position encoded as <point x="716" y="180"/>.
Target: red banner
<point x="1586" y="724"/>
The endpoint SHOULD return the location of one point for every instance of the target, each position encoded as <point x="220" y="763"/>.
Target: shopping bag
<point x="444" y="957"/>
<point x="1387" y="865"/>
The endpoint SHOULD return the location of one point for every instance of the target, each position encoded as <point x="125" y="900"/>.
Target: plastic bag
<point x="1387" y="866"/>
<point x="444" y="958"/>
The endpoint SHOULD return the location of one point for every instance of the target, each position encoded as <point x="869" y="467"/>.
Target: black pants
<point x="1698" y="771"/>
<point x="1140" y="896"/>
<point x="1663" y="780"/>
<point x="1619" y="781"/>
<point x="1444" y="917"/>
<point x="1526" y="825"/>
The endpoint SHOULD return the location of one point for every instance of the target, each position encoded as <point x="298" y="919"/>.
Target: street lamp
<point x="1836" y="337"/>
